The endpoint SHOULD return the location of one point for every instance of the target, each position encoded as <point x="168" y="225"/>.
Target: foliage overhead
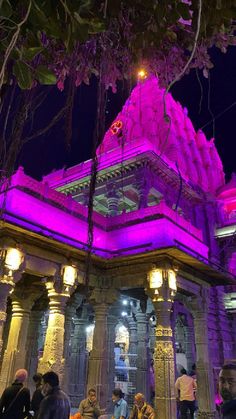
<point x="47" y="41"/>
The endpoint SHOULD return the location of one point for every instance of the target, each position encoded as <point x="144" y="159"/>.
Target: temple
<point x="162" y="278"/>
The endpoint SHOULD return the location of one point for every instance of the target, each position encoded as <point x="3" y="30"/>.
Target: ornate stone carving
<point x="164" y="363"/>
<point x="206" y="415"/>
<point x="160" y="331"/>
<point x="113" y="197"/>
<point x="103" y="296"/>
<point x="164" y="351"/>
<point x="53" y="354"/>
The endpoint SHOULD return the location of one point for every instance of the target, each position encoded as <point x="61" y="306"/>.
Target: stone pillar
<point x="205" y="392"/>
<point x="33" y="345"/>
<point x="164" y="362"/>
<point x="152" y="337"/>
<point x="15" y="353"/>
<point x="78" y="361"/>
<point x="162" y="283"/>
<point x="43" y="330"/>
<point x="52" y="358"/>
<point x="143" y="187"/>
<point x="142" y="352"/>
<point x="70" y="315"/>
<point x="111" y="337"/>
<point x="5" y="288"/>
<point x="133" y="342"/>
<point x="189" y="346"/>
<point x="113" y="198"/>
<point x="98" y="372"/>
<point x="8" y="280"/>
<point x="53" y="353"/>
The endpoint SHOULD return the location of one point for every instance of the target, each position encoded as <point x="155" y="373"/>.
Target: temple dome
<point x="174" y="139"/>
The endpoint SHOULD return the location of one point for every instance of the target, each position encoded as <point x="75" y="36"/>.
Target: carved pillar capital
<point x="198" y="305"/>
<point x="7" y="285"/>
<point x="103" y="296"/>
<point x="22" y="302"/>
<point x="113" y="198"/>
<point x="142" y="185"/>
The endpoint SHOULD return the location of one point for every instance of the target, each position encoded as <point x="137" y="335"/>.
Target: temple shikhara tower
<point x="162" y="282"/>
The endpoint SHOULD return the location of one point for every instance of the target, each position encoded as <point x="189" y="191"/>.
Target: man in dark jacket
<point x="37" y="395"/>
<point x="227" y="387"/>
<point x="55" y="404"/>
<point x="15" y="400"/>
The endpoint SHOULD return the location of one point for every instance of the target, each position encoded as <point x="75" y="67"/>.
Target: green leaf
<point x="30" y="53"/>
<point x="45" y="76"/>
<point x="23" y="75"/>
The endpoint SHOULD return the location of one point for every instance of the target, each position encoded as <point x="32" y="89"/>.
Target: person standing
<point x="89" y="408"/>
<point x="120" y="405"/>
<point x="15" y="400"/>
<point x="37" y="395"/>
<point x="141" y="409"/>
<point x="227" y="389"/>
<point x="185" y="388"/>
<point x="55" y="404"/>
<point x="121" y="369"/>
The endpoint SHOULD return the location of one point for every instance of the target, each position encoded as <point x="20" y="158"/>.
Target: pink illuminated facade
<point x="160" y="200"/>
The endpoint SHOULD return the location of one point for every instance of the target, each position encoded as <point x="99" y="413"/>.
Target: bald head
<point x="21" y="375"/>
<point x="139" y="400"/>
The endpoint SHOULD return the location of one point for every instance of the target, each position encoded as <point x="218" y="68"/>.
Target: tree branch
<point x="43" y="131"/>
<point x="183" y="71"/>
<point x="12" y="44"/>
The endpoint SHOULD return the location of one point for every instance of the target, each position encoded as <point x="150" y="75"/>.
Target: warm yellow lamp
<point x="69" y="275"/>
<point x="13" y="258"/>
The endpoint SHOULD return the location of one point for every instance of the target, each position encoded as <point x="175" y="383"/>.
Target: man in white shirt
<point x="185" y="388"/>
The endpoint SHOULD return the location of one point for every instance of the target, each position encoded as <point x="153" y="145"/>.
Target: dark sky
<point x="44" y="154"/>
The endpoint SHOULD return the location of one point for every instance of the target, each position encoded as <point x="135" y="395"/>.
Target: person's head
<point x="38" y="378"/>
<point x="122" y="358"/>
<point x="183" y="371"/>
<point x="139" y="400"/>
<point x="50" y="381"/>
<point x="227" y="382"/>
<point x="21" y="375"/>
<point x="117" y="395"/>
<point x="92" y="395"/>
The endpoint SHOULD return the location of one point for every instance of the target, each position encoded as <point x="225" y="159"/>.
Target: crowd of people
<point x="50" y="402"/>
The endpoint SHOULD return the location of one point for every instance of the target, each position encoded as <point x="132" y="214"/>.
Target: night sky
<point x="44" y="154"/>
